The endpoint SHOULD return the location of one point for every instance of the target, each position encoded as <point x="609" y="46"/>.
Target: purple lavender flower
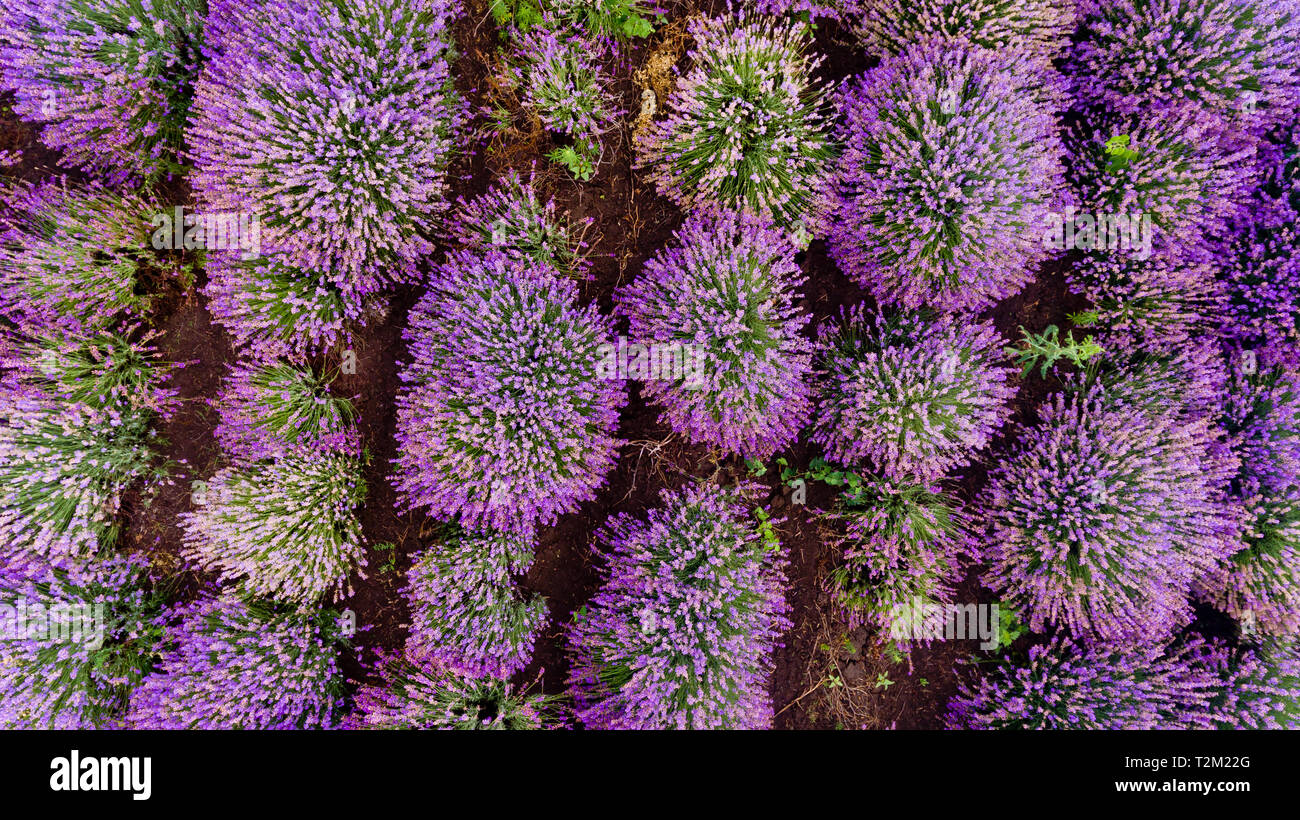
<point x="274" y="310"/>
<point x="1260" y="586"/>
<point x="332" y="121"/>
<point x="725" y="297"/>
<point x="1066" y="685"/>
<point x="746" y="128"/>
<point x="270" y="409"/>
<point x="682" y="633"/>
<point x="511" y="218"/>
<point x="236" y="665"/>
<point x="109" y="81"/>
<point x="504" y="423"/>
<point x="414" y="692"/>
<point x="78" y="639"/>
<point x="910" y="395"/>
<point x="1036" y="31"/>
<point x="900" y="544"/>
<point x="1106" y="513"/>
<point x="951" y="166"/>
<point x="1237" y="58"/>
<point x="466" y="611"/>
<point x="285" y="530"/>
<point x="70" y="258"/>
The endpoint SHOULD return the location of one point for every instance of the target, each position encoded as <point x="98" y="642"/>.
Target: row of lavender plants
<point x="1159" y="473"/>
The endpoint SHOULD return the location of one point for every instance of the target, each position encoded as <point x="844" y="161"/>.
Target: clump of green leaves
<point x="516" y="15"/>
<point x="1117" y="148"/>
<point x="1046" y="348"/>
<point x="576" y="159"/>
<point x="615" y="18"/>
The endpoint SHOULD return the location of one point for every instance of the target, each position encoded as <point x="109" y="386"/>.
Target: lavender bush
<point x="1067" y="685"/>
<point x="725" y="295"/>
<point x="1178" y="167"/>
<point x="681" y="634"/>
<point x="1236" y="58"/>
<point x="270" y="409"/>
<point x="563" y="86"/>
<point x="285" y="530"/>
<point x="1106" y="513"/>
<point x="70" y="259"/>
<point x="416" y="693"/>
<point x="273" y="310"/>
<point x="504" y="423"/>
<point x="1036" y="31"/>
<point x="1255" y="687"/>
<point x="1260" y="586"/>
<point x="910" y="395"/>
<point x="110" y="81"/>
<point x="746" y="127"/>
<point x="511" y="218"/>
<point x="235" y="665"/>
<point x="333" y="121"/>
<point x="74" y="663"/>
<point x="951" y="165"/>
<point x="76" y="429"/>
<point x="900" y="544"/>
<point x="466" y="611"/>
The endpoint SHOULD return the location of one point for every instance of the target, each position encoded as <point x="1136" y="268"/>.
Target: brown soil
<point x="630" y="222"/>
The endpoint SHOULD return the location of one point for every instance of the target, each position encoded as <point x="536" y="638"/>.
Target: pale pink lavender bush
<point x="1183" y="169"/>
<point x="1104" y="515"/>
<point x="1260" y="585"/>
<point x="512" y="218"/>
<point x="951" y="167"/>
<point x="74" y="664"/>
<point x="504" y="423"/>
<point x="110" y="81"/>
<point x="1238" y="59"/>
<point x="228" y="664"/>
<point x="901" y="545"/>
<point x="909" y="395"/>
<point x="1035" y="31"/>
<point x="333" y="121"/>
<point x="746" y="126"/>
<point x="725" y="294"/>
<point x="284" y="529"/>
<point x="1068" y="685"/>
<point x="414" y="692"/>
<point x="77" y="419"/>
<point x="467" y="613"/>
<point x="682" y="633"/>
<point x="270" y="409"/>
<point x="70" y="257"/>
<point x="274" y="310"/>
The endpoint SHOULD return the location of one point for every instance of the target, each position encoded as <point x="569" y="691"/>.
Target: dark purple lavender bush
<point x="1067" y="685"/>
<point x="228" y="664"/>
<point x="722" y="299"/>
<point x="504" y="422"/>
<point x="951" y="165"/>
<point x="910" y="395"/>
<point x="333" y="122"/>
<point x="682" y="633"/>
<point x="1105" y="514"/>
<point x="1239" y="59"/>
